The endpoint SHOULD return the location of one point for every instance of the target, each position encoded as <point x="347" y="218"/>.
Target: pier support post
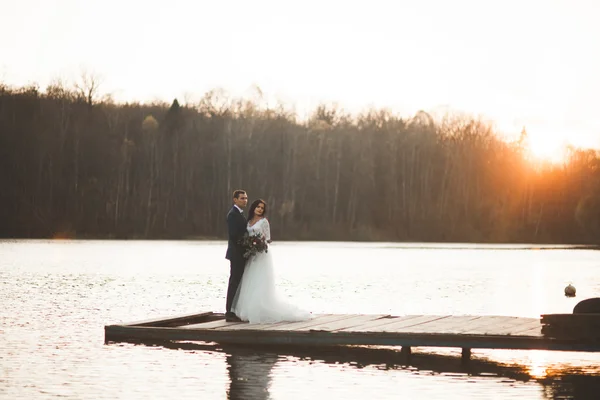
<point x="466" y="355"/>
<point x="406" y="351"/>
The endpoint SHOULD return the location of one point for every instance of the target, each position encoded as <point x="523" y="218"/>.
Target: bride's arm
<point x="267" y="230"/>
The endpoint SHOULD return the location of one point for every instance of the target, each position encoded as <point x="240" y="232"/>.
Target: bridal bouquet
<point x="254" y="244"/>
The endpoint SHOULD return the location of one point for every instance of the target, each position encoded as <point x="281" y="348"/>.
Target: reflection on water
<point x="249" y="374"/>
<point x="56" y="298"/>
<point x="251" y="369"/>
<point x="572" y="385"/>
<point x="537" y="364"/>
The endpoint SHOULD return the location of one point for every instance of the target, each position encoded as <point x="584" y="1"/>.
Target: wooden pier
<point x="465" y="332"/>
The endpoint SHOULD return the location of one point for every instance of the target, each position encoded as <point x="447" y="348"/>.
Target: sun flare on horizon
<point x="547" y="147"/>
<point x="552" y="145"/>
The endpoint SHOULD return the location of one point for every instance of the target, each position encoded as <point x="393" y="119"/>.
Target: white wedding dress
<point x="257" y="299"/>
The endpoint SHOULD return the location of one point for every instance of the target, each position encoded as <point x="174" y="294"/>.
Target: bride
<point x="257" y="299"/>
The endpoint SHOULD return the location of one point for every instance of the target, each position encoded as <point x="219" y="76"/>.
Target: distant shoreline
<point x="385" y="244"/>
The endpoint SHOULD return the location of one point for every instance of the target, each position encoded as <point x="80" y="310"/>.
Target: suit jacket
<point x="236" y="227"/>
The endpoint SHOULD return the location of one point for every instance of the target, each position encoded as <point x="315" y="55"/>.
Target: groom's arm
<point x="235" y="228"/>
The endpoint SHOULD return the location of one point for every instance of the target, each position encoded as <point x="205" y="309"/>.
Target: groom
<point x="236" y="227"/>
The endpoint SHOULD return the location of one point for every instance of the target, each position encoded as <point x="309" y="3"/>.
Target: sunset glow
<point x="548" y="146"/>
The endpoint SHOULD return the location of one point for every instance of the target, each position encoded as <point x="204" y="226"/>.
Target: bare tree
<point x="88" y="86"/>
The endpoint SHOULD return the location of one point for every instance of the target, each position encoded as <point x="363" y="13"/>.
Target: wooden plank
<point x="570" y="318"/>
<point x="414" y="326"/>
<point x="532" y="332"/>
<point x="496" y="326"/>
<point x="556" y="332"/>
<point x="482" y="322"/>
<point x="488" y="325"/>
<point x="213" y="324"/>
<point x="284" y="325"/>
<point x="173" y="321"/>
<point x="313" y="322"/>
<point x="524" y="327"/>
<point x="508" y="328"/>
<point x="367" y="326"/>
<point x="467" y="325"/>
<point x="344" y="323"/>
<point x="464" y="324"/>
<point x="263" y="327"/>
<point x="325" y="322"/>
<point x="395" y="326"/>
<point x="449" y="324"/>
<point x="585" y="336"/>
<point x="512" y="327"/>
<point x="411" y="323"/>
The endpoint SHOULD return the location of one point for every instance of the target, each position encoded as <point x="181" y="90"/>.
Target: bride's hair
<point x="255" y="204"/>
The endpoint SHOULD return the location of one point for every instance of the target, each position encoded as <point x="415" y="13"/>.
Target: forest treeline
<point x="75" y="165"/>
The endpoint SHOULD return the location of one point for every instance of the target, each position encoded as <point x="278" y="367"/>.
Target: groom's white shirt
<point x="235" y="205"/>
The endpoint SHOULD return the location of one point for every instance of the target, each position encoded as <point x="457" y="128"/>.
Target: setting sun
<point x="547" y="146"/>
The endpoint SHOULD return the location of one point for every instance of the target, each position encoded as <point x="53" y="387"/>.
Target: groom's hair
<point x="238" y="193"/>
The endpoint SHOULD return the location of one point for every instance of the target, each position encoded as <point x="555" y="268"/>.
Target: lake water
<point x="56" y="297"/>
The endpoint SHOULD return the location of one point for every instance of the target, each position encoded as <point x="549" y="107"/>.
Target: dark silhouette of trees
<point x="74" y="164"/>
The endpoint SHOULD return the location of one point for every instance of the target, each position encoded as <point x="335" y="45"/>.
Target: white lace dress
<point x="257" y="299"/>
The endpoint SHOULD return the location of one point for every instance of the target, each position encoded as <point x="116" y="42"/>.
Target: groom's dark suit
<point x="236" y="226"/>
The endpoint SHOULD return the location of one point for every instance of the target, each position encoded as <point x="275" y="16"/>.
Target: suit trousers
<point x="235" y="277"/>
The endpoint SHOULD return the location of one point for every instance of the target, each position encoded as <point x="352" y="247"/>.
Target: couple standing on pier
<point x="252" y="295"/>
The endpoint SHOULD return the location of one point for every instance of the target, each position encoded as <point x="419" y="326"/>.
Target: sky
<point x="532" y="63"/>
